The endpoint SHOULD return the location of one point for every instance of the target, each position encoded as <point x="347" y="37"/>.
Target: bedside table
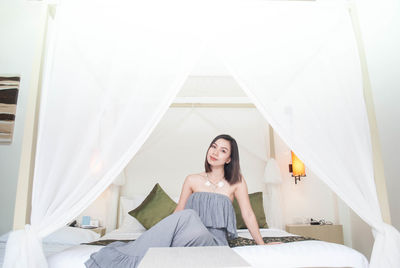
<point x="328" y="232"/>
<point x="99" y="230"/>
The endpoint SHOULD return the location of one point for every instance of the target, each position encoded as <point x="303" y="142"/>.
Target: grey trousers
<point x="181" y="229"/>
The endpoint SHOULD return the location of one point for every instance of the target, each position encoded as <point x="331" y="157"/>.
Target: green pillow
<point x="155" y="207"/>
<point x="256" y="201"/>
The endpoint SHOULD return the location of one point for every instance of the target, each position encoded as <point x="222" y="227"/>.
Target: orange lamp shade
<point x="298" y="167"/>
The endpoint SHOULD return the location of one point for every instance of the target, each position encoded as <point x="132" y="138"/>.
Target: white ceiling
<point x="209" y="65"/>
<point x="210" y="78"/>
<point x="211" y="86"/>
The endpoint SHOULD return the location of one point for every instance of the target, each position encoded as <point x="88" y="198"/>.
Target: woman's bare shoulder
<point x="240" y="185"/>
<point x="196" y="176"/>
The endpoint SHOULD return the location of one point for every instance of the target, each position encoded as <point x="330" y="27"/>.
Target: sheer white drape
<point x="304" y="76"/>
<point x="117" y="67"/>
<point x="115" y="71"/>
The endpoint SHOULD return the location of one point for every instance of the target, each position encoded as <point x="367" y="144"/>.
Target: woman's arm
<point x="186" y="192"/>
<point x="249" y="218"/>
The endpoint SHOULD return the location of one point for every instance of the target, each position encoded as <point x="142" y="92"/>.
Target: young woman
<point x="222" y="176"/>
<point x="204" y="215"/>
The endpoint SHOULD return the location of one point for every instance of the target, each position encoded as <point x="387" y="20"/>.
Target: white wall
<point x="19" y="31"/>
<point x="309" y="198"/>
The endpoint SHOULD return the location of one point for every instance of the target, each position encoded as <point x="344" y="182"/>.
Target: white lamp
<point x="272" y="173"/>
<point x="273" y="204"/>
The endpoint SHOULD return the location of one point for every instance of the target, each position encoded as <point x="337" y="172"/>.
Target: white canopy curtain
<point x="114" y="74"/>
<point x="117" y="67"/>
<point x="308" y="86"/>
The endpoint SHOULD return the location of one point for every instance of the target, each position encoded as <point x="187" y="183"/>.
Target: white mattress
<point x="64" y="238"/>
<point x="296" y="254"/>
<point x="302" y="254"/>
<point x="48" y="248"/>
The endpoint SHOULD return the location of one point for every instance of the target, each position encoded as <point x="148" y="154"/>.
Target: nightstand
<point x="327" y="232"/>
<point x="99" y="230"/>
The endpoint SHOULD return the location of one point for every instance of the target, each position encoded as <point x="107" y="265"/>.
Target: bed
<point x="295" y="254"/>
<point x="66" y="248"/>
<point x="311" y="253"/>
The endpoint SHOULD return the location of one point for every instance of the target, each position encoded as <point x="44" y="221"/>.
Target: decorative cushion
<point x="155" y="207"/>
<point x="256" y="201"/>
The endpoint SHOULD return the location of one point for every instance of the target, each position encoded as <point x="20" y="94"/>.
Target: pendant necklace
<point x="214" y="185"/>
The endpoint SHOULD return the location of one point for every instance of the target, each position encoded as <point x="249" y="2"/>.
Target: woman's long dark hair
<point x="232" y="169"/>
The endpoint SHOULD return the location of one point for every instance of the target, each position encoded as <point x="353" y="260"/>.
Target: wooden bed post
<point x="379" y="173"/>
<point x="22" y="210"/>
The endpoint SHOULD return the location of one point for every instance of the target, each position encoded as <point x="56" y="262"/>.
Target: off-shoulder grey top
<point x="216" y="212"/>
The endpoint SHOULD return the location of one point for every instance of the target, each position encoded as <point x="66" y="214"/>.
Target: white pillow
<point x="66" y="235"/>
<point x="71" y="236"/>
<point x="128" y="223"/>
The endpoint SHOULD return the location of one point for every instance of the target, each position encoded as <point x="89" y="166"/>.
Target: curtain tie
<point x="384" y="252"/>
<point x="24" y="250"/>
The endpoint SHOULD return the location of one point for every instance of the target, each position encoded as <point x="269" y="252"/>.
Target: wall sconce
<point x="297" y="168"/>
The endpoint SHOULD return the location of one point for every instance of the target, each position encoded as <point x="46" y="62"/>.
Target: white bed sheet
<point x="48" y="248"/>
<point x="302" y="254"/>
<point x="62" y="239"/>
<point x="296" y="254"/>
